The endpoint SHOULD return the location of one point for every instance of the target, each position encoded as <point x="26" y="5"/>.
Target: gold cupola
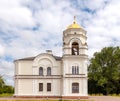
<point x="74" y="24"/>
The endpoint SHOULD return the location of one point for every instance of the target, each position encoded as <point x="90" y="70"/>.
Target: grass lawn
<point x="6" y="95"/>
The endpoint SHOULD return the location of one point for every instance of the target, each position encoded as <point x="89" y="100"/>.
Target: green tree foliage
<point x="2" y="83"/>
<point x="5" y="88"/>
<point x="104" y="71"/>
<point x="8" y="89"/>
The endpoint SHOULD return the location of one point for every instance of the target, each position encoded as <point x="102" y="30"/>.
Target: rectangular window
<point x="75" y="87"/>
<point x="40" y="86"/>
<point x="48" y="86"/>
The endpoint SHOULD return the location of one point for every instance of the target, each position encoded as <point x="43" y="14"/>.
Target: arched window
<point x="48" y="71"/>
<point x="75" y="87"/>
<point x="40" y="71"/>
<point x="75" y="48"/>
<point x="75" y="70"/>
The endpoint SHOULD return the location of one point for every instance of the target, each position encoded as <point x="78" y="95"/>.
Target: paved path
<point x="104" y="98"/>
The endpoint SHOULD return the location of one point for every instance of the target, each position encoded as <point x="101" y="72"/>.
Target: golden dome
<point x="74" y="25"/>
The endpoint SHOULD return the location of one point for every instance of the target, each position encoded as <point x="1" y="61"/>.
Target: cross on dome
<point x="74" y="19"/>
<point x="74" y="24"/>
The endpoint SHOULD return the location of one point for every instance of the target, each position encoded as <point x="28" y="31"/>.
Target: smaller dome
<point x="74" y="25"/>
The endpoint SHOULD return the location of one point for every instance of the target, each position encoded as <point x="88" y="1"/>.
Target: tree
<point x="5" y="88"/>
<point x="2" y="83"/>
<point x="104" y="71"/>
<point x="8" y="89"/>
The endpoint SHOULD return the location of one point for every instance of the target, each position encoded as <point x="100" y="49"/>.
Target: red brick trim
<point x="75" y="97"/>
<point x="60" y="97"/>
<point x="16" y="96"/>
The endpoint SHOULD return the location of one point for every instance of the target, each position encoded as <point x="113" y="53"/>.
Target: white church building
<point x="50" y="76"/>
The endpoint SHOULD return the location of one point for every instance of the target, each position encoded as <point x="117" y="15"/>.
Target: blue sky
<point x="29" y="27"/>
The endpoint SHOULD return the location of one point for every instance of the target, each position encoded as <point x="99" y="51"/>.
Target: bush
<point x="8" y="89"/>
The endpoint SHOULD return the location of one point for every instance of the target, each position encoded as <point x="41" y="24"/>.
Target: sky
<point x="29" y="27"/>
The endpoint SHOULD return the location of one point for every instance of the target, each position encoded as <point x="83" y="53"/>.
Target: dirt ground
<point x="94" y="98"/>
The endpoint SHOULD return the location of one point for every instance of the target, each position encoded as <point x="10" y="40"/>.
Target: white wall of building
<point x="27" y="76"/>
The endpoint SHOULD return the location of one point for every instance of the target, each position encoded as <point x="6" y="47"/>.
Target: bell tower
<point x="74" y="40"/>
<point x="75" y="60"/>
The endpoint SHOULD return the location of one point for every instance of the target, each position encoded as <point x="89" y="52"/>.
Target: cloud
<point x="29" y="27"/>
<point x="103" y="27"/>
<point x="7" y="71"/>
<point x="14" y="14"/>
<point x="1" y="50"/>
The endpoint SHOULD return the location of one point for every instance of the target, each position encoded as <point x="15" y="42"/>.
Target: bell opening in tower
<point x="75" y="48"/>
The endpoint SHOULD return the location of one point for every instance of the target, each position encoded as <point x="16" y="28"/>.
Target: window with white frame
<point x="40" y="86"/>
<point x="75" y="87"/>
<point x="41" y="71"/>
<point x="49" y="71"/>
<point x="75" y="70"/>
<point x="48" y="86"/>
